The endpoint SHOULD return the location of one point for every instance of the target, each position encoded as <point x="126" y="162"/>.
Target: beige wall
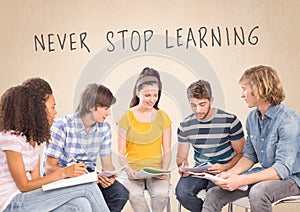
<point x="278" y="43"/>
<point x="69" y="70"/>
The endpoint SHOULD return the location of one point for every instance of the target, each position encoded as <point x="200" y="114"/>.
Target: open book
<point x="213" y="178"/>
<point x="149" y="172"/>
<point x="82" y="179"/>
<point x="111" y="173"/>
<point x="200" y="168"/>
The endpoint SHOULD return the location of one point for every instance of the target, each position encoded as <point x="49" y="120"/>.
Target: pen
<point x="76" y="161"/>
<point x="72" y="157"/>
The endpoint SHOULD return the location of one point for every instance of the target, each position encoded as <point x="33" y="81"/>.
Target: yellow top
<point x="144" y="139"/>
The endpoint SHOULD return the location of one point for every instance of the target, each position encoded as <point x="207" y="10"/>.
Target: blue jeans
<point x="187" y="189"/>
<point x="115" y="196"/>
<point x="261" y="195"/>
<point x="83" y="198"/>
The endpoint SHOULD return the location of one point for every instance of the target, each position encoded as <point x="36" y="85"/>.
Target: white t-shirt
<point x="30" y="155"/>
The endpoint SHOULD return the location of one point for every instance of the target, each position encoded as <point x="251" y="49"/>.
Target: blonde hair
<point x="265" y="84"/>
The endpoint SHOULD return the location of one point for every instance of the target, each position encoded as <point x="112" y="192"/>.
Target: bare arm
<point x="122" y="146"/>
<point x="122" y="133"/>
<point x="106" y="162"/>
<point x="166" y="143"/>
<point x="74" y="170"/>
<point x="182" y="154"/>
<point x="182" y="157"/>
<point x="17" y="170"/>
<point x="244" y="164"/>
<point x="166" y="157"/>
<point x="35" y="174"/>
<point x="238" y="147"/>
<point x="51" y="165"/>
<point x="107" y="165"/>
<point x="267" y="174"/>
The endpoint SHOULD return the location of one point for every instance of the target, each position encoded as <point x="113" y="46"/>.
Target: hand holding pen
<point x="76" y="169"/>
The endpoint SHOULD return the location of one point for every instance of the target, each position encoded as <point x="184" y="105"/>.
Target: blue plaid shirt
<point x="70" y="139"/>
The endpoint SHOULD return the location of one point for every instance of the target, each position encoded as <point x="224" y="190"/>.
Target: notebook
<point x="82" y="179"/>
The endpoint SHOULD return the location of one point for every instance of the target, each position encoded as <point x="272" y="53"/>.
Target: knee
<point x="213" y="194"/>
<point x="258" y="194"/>
<point x="79" y="204"/>
<point x="123" y="193"/>
<point x="91" y="187"/>
<point x="161" y="193"/>
<point x="183" y="191"/>
<point x="137" y="196"/>
<point x="181" y="188"/>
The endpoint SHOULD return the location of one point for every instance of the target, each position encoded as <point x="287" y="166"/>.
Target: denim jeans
<point x="261" y="195"/>
<point x="81" y="198"/>
<point x="187" y="189"/>
<point x="115" y="196"/>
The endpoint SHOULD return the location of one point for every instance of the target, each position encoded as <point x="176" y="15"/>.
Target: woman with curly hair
<point x="26" y="114"/>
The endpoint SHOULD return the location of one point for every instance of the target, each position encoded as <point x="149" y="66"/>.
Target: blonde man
<point x="273" y="141"/>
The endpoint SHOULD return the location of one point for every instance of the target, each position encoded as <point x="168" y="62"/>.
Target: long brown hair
<point x="154" y="78"/>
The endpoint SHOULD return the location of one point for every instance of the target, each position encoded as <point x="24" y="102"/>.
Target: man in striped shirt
<point x="216" y="136"/>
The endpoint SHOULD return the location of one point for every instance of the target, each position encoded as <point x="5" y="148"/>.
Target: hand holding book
<point x="213" y="178"/>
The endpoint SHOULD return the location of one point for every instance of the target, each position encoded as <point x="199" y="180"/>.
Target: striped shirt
<point x="30" y="156"/>
<point x="211" y="139"/>
<point x="69" y="138"/>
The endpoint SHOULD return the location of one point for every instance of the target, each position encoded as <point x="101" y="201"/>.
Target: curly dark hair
<point x="40" y="86"/>
<point x="23" y="111"/>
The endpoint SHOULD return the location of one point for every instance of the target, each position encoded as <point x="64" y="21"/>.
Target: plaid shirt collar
<point x="80" y="126"/>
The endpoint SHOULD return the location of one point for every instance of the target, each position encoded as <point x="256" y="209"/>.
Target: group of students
<point x="73" y="143"/>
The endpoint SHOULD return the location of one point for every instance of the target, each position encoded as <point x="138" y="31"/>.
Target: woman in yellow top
<point x="144" y="140"/>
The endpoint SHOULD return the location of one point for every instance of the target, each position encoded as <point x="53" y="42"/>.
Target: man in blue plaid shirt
<point x="77" y="140"/>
